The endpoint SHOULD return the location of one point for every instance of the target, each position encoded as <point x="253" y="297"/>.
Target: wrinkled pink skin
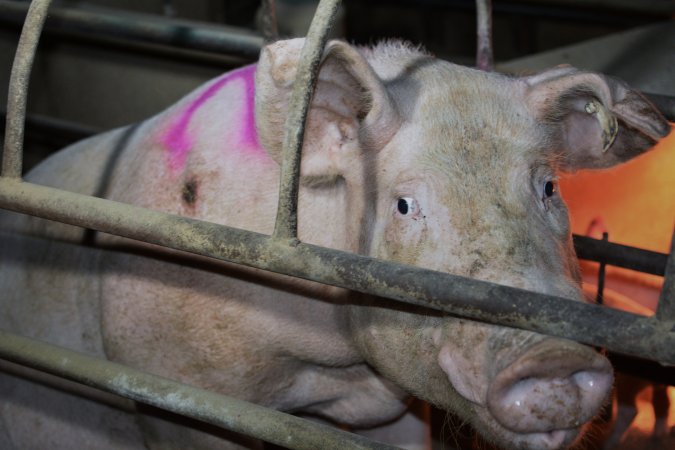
<point x="468" y="152"/>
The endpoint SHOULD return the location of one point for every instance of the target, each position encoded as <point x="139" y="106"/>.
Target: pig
<point x="405" y="158"/>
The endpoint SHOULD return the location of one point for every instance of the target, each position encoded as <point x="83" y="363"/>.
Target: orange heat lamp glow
<point x="635" y="204"/>
<point x="636" y="200"/>
<point x="644" y="421"/>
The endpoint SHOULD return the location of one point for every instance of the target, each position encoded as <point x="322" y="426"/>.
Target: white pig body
<point x="405" y="158"/>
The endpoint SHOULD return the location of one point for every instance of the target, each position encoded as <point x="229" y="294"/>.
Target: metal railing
<point x="649" y="338"/>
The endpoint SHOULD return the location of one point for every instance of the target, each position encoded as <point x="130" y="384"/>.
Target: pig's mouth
<point x="552" y="440"/>
<point x="509" y="439"/>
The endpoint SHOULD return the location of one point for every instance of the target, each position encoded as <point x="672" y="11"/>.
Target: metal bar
<point x="648" y="370"/>
<point x="664" y="103"/>
<point x="220" y="410"/>
<point x="587" y="248"/>
<point x="270" y="30"/>
<point x="610" y="14"/>
<point x="665" y="310"/>
<point x="484" y="54"/>
<point x="67" y="130"/>
<point x="599" y="297"/>
<point x="145" y="28"/>
<point x="620" y="255"/>
<point x="12" y="157"/>
<point x="286" y="225"/>
<point x="620" y="332"/>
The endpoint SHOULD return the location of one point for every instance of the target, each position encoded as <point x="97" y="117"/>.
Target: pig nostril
<point x="594" y="385"/>
<point x="585" y="379"/>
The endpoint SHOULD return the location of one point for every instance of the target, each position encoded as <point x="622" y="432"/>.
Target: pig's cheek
<point x="404" y="239"/>
<point x="466" y="370"/>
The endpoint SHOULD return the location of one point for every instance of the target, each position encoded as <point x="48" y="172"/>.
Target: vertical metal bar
<point x="484" y="56"/>
<point x="666" y="307"/>
<point x="270" y="30"/>
<point x="12" y="157"/>
<point x="286" y="225"/>
<point x="601" y="275"/>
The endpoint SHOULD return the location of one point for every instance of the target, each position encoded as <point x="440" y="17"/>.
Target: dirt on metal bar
<point x="616" y="330"/>
<point x="219" y="410"/>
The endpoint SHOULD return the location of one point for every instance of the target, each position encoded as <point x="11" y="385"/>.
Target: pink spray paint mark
<point x="177" y="139"/>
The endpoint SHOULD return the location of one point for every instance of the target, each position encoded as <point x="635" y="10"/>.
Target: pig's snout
<point x="553" y="386"/>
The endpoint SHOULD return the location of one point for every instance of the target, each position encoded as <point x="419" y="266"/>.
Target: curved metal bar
<point x="286" y="226"/>
<point x="17" y="97"/>
<point x="219" y="410"/>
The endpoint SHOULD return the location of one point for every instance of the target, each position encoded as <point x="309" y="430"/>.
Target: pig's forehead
<point x="461" y="113"/>
<point x="462" y="96"/>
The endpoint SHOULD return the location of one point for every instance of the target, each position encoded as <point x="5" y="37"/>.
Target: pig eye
<point x="550" y="188"/>
<point x="406" y="206"/>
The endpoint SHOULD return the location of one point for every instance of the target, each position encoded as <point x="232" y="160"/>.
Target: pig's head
<point x="454" y="170"/>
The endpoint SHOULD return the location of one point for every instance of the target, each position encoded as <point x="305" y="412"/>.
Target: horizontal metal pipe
<point x="620" y="255"/>
<point x="664" y="103"/>
<point x="611" y="12"/>
<point x="647" y="370"/>
<point x="65" y="130"/>
<point x="220" y="410"/>
<point x="615" y="330"/>
<point x="587" y="248"/>
<point x="143" y="27"/>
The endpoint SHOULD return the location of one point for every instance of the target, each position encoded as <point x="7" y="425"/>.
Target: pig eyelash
<point x="406" y="206"/>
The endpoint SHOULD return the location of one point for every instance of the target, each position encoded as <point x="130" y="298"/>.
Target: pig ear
<point x="350" y="101"/>
<point x="595" y="121"/>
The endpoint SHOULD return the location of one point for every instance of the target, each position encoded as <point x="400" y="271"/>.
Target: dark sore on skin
<point x="190" y="192"/>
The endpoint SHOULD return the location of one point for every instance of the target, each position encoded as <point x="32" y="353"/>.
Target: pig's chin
<point x="508" y="439"/>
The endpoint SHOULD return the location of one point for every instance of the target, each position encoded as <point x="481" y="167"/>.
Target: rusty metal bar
<point x="144" y="28"/>
<point x="219" y="410"/>
<point x="620" y="332"/>
<point x="665" y="310"/>
<point x="12" y="157"/>
<point x="286" y="225"/>
<point x="484" y="54"/>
